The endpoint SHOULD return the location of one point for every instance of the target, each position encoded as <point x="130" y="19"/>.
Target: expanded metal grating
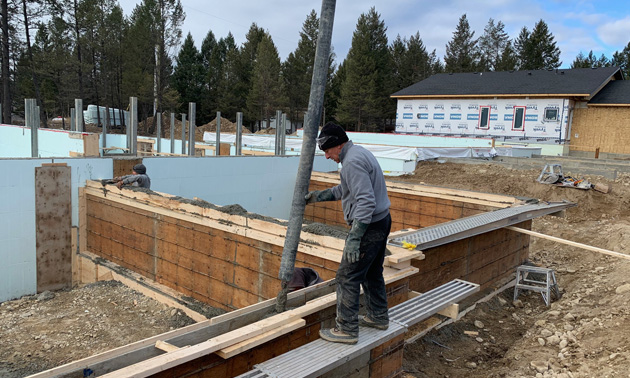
<point x="319" y="356"/>
<point x="477" y="224"/>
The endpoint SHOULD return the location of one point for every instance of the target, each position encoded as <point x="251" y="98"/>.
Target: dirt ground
<point x="583" y="334"/>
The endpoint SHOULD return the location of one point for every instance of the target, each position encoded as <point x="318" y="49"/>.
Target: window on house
<point x="484" y="117"/>
<point x="518" y="121"/>
<point x="551" y="114"/>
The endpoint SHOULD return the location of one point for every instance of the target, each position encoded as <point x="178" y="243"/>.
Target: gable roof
<point x="617" y="92"/>
<point x="580" y="82"/>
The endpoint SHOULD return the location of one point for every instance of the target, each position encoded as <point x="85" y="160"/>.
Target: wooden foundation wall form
<point x="226" y="261"/>
<point x="412" y="206"/>
<point x="482" y="259"/>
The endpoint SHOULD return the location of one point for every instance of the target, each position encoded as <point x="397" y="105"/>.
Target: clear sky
<point x="577" y="25"/>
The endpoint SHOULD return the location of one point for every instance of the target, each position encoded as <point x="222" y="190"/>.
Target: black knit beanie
<point x="140" y="169"/>
<point x="331" y="136"/>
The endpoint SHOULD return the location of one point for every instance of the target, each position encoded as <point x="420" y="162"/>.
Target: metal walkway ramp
<point x="476" y="224"/>
<point x="319" y="356"/>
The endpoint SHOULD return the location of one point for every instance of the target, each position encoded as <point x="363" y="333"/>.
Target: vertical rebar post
<point x="158" y="132"/>
<point x="133" y="113"/>
<point x="192" y="109"/>
<point x="172" y="132"/>
<point x="217" y="151"/>
<point x="239" y="133"/>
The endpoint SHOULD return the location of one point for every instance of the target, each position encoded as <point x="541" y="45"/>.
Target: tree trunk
<point x="29" y="49"/>
<point x="76" y="31"/>
<point x="6" y="87"/>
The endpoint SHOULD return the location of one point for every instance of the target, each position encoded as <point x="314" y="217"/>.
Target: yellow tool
<point x="409" y="246"/>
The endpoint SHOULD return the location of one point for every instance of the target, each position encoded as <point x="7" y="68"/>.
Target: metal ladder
<point x="545" y="288"/>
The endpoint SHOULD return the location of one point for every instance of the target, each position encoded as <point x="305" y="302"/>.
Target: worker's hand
<point x="319" y="196"/>
<point x="119" y="184"/>
<point x="351" y="250"/>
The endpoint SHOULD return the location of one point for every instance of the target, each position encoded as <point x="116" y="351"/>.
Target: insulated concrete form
<point x="483" y="259"/>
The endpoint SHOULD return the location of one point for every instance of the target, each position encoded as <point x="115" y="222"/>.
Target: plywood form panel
<point x="53" y="227"/>
<point x="606" y="128"/>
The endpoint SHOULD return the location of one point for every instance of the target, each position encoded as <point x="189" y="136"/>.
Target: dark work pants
<point x="367" y="272"/>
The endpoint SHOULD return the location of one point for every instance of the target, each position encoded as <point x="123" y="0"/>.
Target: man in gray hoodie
<point x="365" y="204"/>
<point x="138" y="178"/>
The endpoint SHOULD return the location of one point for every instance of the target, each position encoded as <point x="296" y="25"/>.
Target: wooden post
<point x="597" y="153"/>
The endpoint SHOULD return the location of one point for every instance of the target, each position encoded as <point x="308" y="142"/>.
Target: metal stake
<point x="239" y="133"/>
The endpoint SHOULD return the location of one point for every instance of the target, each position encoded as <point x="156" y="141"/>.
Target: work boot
<point x="336" y="335"/>
<point x="367" y="322"/>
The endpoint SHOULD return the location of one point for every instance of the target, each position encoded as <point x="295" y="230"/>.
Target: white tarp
<point x="380" y="151"/>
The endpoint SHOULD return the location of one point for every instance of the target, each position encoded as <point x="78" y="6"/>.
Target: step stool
<point x="546" y="287"/>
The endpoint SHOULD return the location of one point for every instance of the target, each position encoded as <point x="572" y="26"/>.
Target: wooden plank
<point x="53" y="227"/>
<point x="90" y="145"/>
<point x="571" y="243"/>
<point x="238" y="348"/>
<point x="163" y="345"/>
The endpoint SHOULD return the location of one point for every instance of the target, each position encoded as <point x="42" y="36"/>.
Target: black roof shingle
<point x="579" y="81"/>
<point x="617" y="92"/>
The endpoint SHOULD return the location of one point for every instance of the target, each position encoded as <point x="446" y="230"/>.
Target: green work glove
<point x="353" y="241"/>
<point x="319" y="196"/>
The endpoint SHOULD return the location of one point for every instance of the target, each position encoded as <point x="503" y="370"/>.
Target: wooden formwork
<point x="412" y="206"/>
<point x="227" y="261"/>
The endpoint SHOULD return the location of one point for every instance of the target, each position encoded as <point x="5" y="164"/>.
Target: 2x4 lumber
<point x="163" y="345"/>
<point x="238" y="348"/>
<point x="569" y="242"/>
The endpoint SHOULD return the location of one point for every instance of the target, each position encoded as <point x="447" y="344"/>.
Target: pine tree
<point x="229" y="101"/>
<point x="461" y="51"/>
<point x="266" y="95"/>
<point x="297" y="70"/>
<point x="188" y="75"/>
<point x="622" y="60"/>
<point x="537" y="50"/>
<point x="207" y="106"/>
<point x="508" y="60"/>
<point x="364" y="103"/>
<point x="491" y="45"/>
<point x="244" y="67"/>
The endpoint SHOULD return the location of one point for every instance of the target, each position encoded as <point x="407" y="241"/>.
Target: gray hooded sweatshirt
<point x="362" y="190"/>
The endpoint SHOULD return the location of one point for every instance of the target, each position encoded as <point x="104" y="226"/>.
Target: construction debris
<point x="552" y="174"/>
